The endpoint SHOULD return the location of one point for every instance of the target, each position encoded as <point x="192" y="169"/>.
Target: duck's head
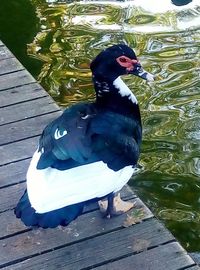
<point x="118" y="60"/>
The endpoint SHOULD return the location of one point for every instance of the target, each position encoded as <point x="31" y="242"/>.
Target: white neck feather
<point x="124" y="90"/>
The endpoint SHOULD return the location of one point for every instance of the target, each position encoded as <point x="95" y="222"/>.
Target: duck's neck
<point x="116" y="96"/>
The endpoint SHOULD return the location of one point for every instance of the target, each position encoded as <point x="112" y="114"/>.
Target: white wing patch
<point x="124" y="90"/>
<point x="50" y="189"/>
<point x="59" y="134"/>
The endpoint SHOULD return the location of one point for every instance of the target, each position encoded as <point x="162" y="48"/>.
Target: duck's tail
<point x="52" y="219"/>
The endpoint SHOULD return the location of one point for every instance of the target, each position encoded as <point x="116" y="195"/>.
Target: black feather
<point x="52" y="219"/>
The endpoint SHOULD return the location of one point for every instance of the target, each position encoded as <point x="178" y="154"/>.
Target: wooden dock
<point x="90" y="242"/>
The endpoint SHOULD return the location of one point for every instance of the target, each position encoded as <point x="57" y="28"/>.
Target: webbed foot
<point x="114" y="206"/>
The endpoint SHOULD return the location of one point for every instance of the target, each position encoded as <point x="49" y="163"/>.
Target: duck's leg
<point x="114" y="205"/>
<point x="110" y="206"/>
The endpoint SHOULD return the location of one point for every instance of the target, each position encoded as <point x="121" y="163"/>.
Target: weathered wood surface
<point x="196" y="257"/>
<point x="27" y="128"/>
<point x="117" y="242"/>
<point x="196" y="267"/>
<point x="12" y="80"/>
<point x="90" y="241"/>
<point x="12" y="96"/>
<point x="9" y="65"/>
<point x="4" y="52"/>
<point x="24" y="110"/>
<point x="170" y="256"/>
<point x="13" y="173"/>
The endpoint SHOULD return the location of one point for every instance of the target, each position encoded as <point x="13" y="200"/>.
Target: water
<point x="167" y="42"/>
<point x="18" y="26"/>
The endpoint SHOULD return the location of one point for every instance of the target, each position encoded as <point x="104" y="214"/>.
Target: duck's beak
<point x="140" y="72"/>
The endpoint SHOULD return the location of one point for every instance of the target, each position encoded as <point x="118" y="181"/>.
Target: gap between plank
<point x="11" y="72"/>
<point x="1" y="165"/>
<point x="19" y="140"/>
<point x="13" y="87"/>
<point x="20" y="85"/>
<point x="125" y="256"/>
<point x="187" y="267"/>
<point x="13" y="184"/>
<point x="20" y="102"/>
<point x="55" y="110"/>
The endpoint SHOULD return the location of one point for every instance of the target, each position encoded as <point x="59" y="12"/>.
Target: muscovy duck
<point x="90" y="151"/>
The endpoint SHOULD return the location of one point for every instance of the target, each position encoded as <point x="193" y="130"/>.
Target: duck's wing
<point x="116" y="139"/>
<point x="65" y="140"/>
<point x="83" y="135"/>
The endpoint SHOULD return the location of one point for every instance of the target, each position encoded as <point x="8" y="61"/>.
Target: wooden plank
<point x="21" y="94"/>
<point x="10" y="65"/>
<point x="13" y="173"/>
<point x="10" y="224"/>
<point x="109" y="246"/>
<point x="127" y="193"/>
<point x="26" y="110"/>
<point x="12" y="195"/>
<point x="196" y="257"/>
<point x="171" y="257"/>
<point x="15" y="79"/>
<point x="18" y="151"/>
<point x="4" y="52"/>
<point x="26" y="128"/>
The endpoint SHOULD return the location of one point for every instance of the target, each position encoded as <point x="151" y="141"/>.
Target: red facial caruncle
<point x="126" y="62"/>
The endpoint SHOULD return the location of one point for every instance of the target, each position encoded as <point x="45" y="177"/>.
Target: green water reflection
<point x="168" y="45"/>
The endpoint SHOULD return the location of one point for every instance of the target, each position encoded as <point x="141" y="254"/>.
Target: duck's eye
<point x="122" y="59"/>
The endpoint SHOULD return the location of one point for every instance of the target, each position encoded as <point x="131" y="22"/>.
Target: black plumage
<point x="51" y="219"/>
<point x="93" y="134"/>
